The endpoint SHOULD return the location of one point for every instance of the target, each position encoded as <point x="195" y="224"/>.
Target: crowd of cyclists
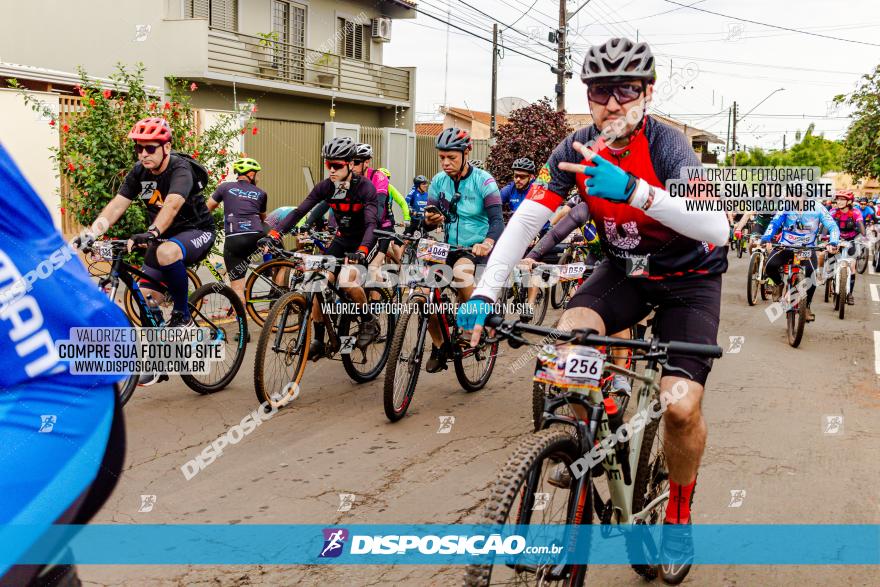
<point x="602" y="187"/>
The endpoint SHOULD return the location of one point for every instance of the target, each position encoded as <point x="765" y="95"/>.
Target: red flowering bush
<point x="95" y="153"/>
<point x="533" y="131"/>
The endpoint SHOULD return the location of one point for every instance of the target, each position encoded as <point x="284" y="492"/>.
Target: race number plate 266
<point x="584" y="365"/>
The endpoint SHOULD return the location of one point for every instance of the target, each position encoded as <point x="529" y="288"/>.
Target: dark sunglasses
<point x="150" y="149"/>
<point x="521" y="176"/>
<point x="335" y="165"/>
<point x="623" y="93"/>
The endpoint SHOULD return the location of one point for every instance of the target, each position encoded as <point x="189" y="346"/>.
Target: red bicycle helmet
<point x="846" y="194"/>
<point x="151" y="129"/>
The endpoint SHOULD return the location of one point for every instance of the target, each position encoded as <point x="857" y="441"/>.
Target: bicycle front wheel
<point x="265" y="285"/>
<point x="523" y="495"/>
<point x="541" y="303"/>
<point x="754" y="279"/>
<point x="282" y="350"/>
<point x="843" y="289"/>
<point x="218" y="308"/>
<point x="405" y="359"/>
<point x="652" y="481"/>
<point x="862" y="260"/>
<point x="796" y="316"/>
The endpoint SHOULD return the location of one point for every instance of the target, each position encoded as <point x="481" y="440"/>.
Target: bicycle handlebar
<point x="588" y="337"/>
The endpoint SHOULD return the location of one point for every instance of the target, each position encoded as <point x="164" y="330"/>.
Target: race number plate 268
<point x="430" y="250"/>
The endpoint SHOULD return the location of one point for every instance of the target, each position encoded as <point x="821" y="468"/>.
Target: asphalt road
<point x="767" y="409"/>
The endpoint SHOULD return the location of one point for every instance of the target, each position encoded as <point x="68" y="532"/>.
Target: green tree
<point x="95" y="154"/>
<point x="532" y="131"/>
<point x="862" y="142"/>
<point x="810" y="151"/>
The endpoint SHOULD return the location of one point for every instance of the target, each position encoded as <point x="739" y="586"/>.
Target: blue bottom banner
<point x="442" y="544"/>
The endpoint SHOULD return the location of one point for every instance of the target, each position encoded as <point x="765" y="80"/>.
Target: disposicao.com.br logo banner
<point x="436" y="544"/>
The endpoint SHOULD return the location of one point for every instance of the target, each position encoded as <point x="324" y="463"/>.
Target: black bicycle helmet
<point x="453" y="139"/>
<point x="419" y="180"/>
<point x="341" y="148"/>
<point x="524" y="164"/>
<point x="618" y="59"/>
<point x="363" y="151"/>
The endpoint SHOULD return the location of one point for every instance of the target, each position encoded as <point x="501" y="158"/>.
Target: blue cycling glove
<point x="607" y="180"/>
<point x="472" y="313"/>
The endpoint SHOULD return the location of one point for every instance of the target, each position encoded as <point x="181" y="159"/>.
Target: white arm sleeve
<point x="525" y="224"/>
<point x="709" y="226"/>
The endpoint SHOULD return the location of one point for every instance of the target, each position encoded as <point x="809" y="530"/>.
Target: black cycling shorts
<point x="195" y="244"/>
<point x="237" y="251"/>
<point x="340" y="245"/>
<point x="454" y="256"/>
<point x="687" y="310"/>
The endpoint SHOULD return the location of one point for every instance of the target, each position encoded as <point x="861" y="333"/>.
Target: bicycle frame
<point x="621" y="477"/>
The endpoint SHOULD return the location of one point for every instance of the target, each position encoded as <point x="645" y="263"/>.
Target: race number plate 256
<point x="572" y="271"/>
<point x="584" y="365"/>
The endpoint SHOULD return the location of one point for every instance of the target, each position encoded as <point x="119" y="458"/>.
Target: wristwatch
<point x="154" y="230"/>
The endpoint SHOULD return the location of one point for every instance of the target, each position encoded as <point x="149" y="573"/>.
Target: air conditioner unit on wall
<point x="382" y="29"/>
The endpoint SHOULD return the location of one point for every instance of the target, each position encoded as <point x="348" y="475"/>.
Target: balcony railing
<point x="245" y="55"/>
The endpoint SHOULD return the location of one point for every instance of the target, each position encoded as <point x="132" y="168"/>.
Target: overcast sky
<point x="732" y="60"/>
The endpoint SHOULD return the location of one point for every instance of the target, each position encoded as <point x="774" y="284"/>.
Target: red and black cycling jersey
<point x="656" y="153"/>
<point x="355" y="208"/>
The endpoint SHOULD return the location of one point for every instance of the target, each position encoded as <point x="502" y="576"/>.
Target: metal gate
<point x="288" y="152"/>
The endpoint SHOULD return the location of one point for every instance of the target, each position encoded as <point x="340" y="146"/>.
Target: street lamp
<point x="740" y="119"/>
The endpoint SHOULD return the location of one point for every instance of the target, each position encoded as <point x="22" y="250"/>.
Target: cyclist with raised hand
<point x="798" y="229"/>
<point x="66" y="476"/>
<point x="513" y="194"/>
<point x="417" y="199"/>
<point x="466" y="202"/>
<point x="244" y="210"/>
<point x="356" y="209"/>
<point x="850" y="223"/>
<point x="681" y="252"/>
<point x="170" y="186"/>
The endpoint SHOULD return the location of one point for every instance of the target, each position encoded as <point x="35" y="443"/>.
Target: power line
<point x="438" y="19"/>
<point x="524" y="12"/>
<point x="774" y="26"/>
<point x="508" y="26"/>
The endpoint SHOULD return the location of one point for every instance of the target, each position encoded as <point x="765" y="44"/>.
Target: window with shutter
<point x="354" y="40"/>
<point x="221" y="14"/>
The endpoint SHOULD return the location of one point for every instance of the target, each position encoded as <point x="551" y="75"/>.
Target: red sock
<point x="678" y="509"/>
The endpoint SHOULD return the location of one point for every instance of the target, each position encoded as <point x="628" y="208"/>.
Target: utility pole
<point x="560" y="58"/>
<point x="494" y="78"/>
<point x="783" y="143"/>
<point x="734" y="133"/>
<point x="727" y="144"/>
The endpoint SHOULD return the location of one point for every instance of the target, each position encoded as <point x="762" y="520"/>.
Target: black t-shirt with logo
<point x="243" y="202"/>
<point x="152" y="189"/>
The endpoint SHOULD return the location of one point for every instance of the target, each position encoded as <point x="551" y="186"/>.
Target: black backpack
<point x="200" y="174"/>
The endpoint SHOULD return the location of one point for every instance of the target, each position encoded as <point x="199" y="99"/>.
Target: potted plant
<point x="268" y="54"/>
<point x="326" y="68"/>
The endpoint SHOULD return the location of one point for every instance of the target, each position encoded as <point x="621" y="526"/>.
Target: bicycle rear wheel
<point x="365" y="364"/>
<point x="473" y="366"/>
<point x="405" y="359"/>
<point x="219" y="308"/>
<point x="282" y="350"/>
<point x="265" y="285"/>
<point x="522" y="495"/>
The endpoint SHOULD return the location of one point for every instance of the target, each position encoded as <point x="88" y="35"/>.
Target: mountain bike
<point x="838" y="286"/>
<point x="635" y="469"/>
<point x="271" y="279"/>
<point x="756" y="281"/>
<point x="429" y="297"/>
<point x="517" y="295"/>
<point x="570" y="275"/>
<point x="214" y="306"/>
<point x="282" y="351"/>
<point x="794" y="294"/>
